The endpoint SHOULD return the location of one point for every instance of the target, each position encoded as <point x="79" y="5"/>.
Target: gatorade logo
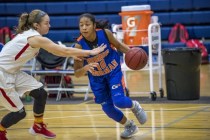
<point x="131" y="22"/>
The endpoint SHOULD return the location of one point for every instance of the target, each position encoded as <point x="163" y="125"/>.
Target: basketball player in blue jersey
<point x="105" y="75"/>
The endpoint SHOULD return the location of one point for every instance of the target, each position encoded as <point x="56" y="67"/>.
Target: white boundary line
<point x="91" y="115"/>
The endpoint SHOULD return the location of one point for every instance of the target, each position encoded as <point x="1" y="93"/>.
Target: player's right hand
<point x="90" y="67"/>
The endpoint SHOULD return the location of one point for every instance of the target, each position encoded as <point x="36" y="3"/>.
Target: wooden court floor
<point x="86" y="121"/>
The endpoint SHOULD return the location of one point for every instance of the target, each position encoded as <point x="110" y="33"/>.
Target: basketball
<point x="136" y="58"/>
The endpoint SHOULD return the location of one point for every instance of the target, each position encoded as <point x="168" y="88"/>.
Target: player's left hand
<point x="98" y="49"/>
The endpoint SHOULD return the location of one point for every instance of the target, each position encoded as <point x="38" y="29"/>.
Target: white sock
<point x="133" y="104"/>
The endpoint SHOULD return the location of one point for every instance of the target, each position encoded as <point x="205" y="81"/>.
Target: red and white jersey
<point x="17" y="52"/>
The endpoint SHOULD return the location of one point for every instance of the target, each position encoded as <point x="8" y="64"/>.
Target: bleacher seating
<point x="181" y="5"/>
<point x="160" y="5"/>
<point x="200" y="4"/>
<point x="194" y="14"/>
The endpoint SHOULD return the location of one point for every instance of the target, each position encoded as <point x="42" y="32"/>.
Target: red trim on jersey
<point x="79" y="38"/>
<point x="22" y="51"/>
<point x="7" y="98"/>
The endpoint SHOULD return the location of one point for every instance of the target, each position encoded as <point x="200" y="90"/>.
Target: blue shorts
<point x="108" y="86"/>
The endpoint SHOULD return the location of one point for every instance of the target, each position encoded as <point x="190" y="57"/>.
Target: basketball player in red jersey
<point x="14" y="83"/>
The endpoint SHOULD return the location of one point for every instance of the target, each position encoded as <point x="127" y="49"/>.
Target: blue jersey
<point x="106" y="81"/>
<point x="108" y="60"/>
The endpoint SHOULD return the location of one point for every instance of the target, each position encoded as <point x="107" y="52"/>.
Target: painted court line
<point x="154" y="130"/>
<point x="104" y="114"/>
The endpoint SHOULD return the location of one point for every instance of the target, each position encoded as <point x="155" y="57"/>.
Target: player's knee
<point x="17" y="116"/>
<point x="43" y="95"/>
<point x="107" y="109"/>
<point x="21" y="114"/>
<point x="13" y="118"/>
<point x="122" y="102"/>
<point x="39" y="94"/>
<point x="112" y="112"/>
<point x="118" y="102"/>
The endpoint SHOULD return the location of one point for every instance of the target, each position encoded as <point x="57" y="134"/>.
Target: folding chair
<point x="44" y="65"/>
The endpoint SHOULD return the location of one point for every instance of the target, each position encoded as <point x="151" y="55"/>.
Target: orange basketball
<point x="136" y="58"/>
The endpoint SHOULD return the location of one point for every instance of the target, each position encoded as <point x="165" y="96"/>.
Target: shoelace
<point x="128" y="127"/>
<point x="41" y="125"/>
<point x="44" y="125"/>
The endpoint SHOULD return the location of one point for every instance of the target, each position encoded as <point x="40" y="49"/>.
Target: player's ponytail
<point x="26" y="20"/>
<point x="23" y="23"/>
<point x="102" y="24"/>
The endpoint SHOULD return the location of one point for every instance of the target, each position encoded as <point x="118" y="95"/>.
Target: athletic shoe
<point x="129" y="130"/>
<point x="139" y="112"/>
<point x="3" y="135"/>
<point x="41" y="129"/>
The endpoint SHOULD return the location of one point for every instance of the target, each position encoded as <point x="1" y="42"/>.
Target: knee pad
<point x="122" y="102"/>
<point x="13" y="118"/>
<point x="40" y="96"/>
<point x="112" y="112"/>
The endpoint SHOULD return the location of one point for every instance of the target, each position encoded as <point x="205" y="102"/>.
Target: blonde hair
<point x="26" y="20"/>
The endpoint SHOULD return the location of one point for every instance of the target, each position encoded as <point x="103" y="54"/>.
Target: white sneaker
<point x="41" y="129"/>
<point x="129" y="130"/>
<point x="139" y="113"/>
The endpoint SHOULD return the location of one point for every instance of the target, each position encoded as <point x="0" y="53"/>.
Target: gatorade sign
<point x="135" y="22"/>
<point x="131" y="22"/>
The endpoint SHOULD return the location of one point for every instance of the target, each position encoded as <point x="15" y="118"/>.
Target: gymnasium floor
<point x="76" y="119"/>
